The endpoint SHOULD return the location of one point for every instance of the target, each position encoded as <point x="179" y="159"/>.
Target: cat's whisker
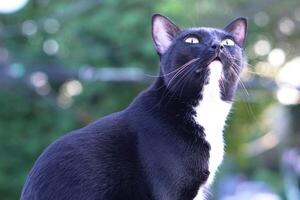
<point x="174" y="71"/>
<point x="160" y="76"/>
<point x="241" y="82"/>
<point x="245" y="91"/>
<point x="182" y="68"/>
<point x="179" y="72"/>
<point x="246" y="64"/>
<point x="175" y="85"/>
<point x="178" y="69"/>
<point x="183" y="82"/>
<point x="248" y="107"/>
<point x="236" y="72"/>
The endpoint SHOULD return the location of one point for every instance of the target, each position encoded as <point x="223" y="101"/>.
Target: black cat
<point x="168" y="144"/>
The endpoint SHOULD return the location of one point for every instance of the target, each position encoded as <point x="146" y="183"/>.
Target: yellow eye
<point x="227" y="42"/>
<point x="192" y="40"/>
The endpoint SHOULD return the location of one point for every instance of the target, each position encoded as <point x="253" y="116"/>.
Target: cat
<point x="168" y="143"/>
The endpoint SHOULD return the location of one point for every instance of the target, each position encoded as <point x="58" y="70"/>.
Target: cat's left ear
<point x="163" y="32"/>
<point x="238" y="29"/>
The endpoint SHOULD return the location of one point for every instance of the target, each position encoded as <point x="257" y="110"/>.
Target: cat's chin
<point x="215" y="63"/>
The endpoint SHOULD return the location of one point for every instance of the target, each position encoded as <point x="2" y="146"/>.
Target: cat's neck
<point x="171" y="134"/>
<point x="157" y="103"/>
<point x="170" y="102"/>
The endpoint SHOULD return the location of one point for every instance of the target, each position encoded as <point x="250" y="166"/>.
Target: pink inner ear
<point x="239" y="32"/>
<point x="161" y="36"/>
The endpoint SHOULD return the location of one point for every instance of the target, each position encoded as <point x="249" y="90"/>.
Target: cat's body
<point x="167" y="145"/>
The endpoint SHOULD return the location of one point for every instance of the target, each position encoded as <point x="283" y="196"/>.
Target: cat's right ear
<point x="163" y="32"/>
<point x="238" y="29"/>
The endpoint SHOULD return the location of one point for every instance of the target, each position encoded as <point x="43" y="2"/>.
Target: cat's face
<point x="186" y="54"/>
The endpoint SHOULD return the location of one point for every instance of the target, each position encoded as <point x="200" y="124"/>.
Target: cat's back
<point x="95" y="162"/>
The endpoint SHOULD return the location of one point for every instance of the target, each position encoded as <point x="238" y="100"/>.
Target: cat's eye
<point x="191" y="40"/>
<point x="227" y="42"/>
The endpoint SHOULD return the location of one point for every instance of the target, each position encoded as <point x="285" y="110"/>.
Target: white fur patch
<point x="211" y="114"/>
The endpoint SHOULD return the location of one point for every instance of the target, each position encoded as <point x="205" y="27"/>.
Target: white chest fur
<point x="211" y="114"/>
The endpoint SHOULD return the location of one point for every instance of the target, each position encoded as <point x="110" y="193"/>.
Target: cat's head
<point x="185" y="55"/>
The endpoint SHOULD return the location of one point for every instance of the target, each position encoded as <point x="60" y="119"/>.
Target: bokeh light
<point x="64" y="101"/>
<point x="29" y="27"/>
<point x="11" y="6"/>
<point x="262" y="47"/>
<point x="38" y="79"/>
<point x="50" y="47"/>
<point x="288" y="96"/>
<point x="286" y="26"/>
<point x="261" y="19"/>
<point x="276" y="57"/>
<point x="72" y="88"/>
<point x="16" y="70"/>
<point x="290" y="73"/>
<point x="51" y="26"/>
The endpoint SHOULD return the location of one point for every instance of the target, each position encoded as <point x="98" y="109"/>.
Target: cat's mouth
<point x="212" y="60"/>
<point x="216" y="58"/>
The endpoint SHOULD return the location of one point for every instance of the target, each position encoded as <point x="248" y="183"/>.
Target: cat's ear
<point x="238" y="29"/>
<point x="163" y="32"/>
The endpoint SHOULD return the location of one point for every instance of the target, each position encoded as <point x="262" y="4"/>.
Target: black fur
<point x="153" y="150"/>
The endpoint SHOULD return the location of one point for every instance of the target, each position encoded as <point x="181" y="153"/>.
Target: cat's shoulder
<point x="92" y="139"/>
<point x="83" y="153"/>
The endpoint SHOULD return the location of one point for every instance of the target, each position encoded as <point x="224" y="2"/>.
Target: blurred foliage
<point x="115" y="33"/>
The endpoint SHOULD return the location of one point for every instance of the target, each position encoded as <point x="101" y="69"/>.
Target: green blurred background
<point x="66" y="63"/>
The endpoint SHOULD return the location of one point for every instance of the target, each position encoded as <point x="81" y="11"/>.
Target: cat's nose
<point x="216" y="46"/>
